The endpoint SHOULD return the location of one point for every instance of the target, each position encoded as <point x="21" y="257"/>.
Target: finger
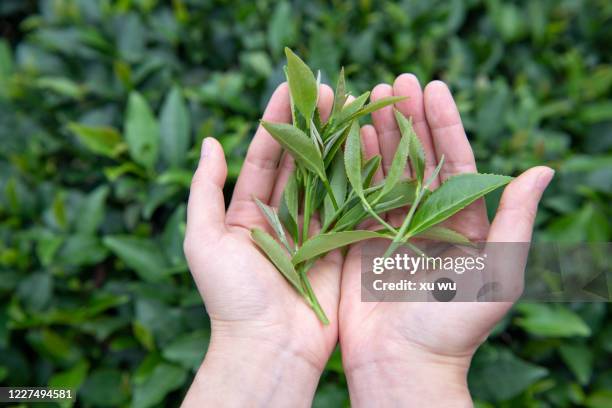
<point x="450" y="140"/>
<point x="414" y="108"/>
<point x="386" y="127"/>
<point x="259" y="170"/>
<point x="448" y="135"/>
<point x="326" y="100"/>
<point x="513" y="224"/>
<point x="206" y="207"/>
<point x="518" y="206"/>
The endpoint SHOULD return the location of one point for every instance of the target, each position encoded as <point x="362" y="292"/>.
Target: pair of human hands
<point x="267" y="346"/>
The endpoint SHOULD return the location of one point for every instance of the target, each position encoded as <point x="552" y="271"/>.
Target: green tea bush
<point x="103" y="106"/>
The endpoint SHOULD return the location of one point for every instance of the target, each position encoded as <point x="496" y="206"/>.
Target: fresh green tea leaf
<point x="401" y="195"/>
<point x="334" y="142"/>
<point x="398" y="165"/>
<point x="379" y="104"/>
<point x="417" y="154"/>
<point x="435" y="173"/>
<point x="350" y="109"/>
<point x="289" y="223"/>
<point x="324" y="243"/>
<point x="452" y="196"/>
<point x="274" y="222"/>
<point x="437" y="233"/>
<point x="291" y="196"/>
<point x="338" y="183"/>
<point x="352" y="159"/>
<point x="315" y="136"/>
<point x="298" y="144"/>
<point x="340" y="96"/>
<point x="369" y="170"/>
<point x="277" y="256"/>
<point x="302" y="84"/>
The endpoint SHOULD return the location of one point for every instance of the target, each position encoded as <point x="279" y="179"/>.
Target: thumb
<point x="513" y="223"/>
<point x="206" y="207"/>
<point x="519" y="205"/>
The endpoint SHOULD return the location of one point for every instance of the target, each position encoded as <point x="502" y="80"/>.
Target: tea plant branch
<point x="336" y="184"/>
<point x="402" y="236"/>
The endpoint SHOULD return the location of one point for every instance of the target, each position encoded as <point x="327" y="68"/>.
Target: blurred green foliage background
<point x="103" y="106"/>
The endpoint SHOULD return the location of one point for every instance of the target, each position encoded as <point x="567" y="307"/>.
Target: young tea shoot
<point x="332" y="179"/>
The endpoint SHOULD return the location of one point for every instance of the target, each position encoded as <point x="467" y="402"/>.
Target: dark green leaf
<point x="497" y="375"/>
<point x="92" y="210"/>
<point x="174" y="128"/>
<point x="188" y="350"/>
<point x="579" y="358"/>
<point x="163" y="379"/>
<point x="551" y="320"/>
<point x="104" y="388"/>
<point x="102" y="140"/>
<point x="141" y="131"/>
<point x="142" y="255"/>
<point x="71" y="379"/>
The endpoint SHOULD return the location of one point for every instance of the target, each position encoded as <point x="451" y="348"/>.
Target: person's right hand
<point x="419" y="353"/>
<point x="266" y="341"/>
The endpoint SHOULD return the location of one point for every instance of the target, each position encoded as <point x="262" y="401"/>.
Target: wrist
<point x="399" y="376"/>
<point x="268" y="372"/>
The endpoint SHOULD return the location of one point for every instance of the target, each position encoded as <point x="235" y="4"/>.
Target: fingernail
<point x="205" y="148"/>
<point x="544" y="178"/>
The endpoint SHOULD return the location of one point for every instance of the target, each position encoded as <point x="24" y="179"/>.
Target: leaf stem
<point x="330" y="192"/>
<point x="311" y="296"/>
<point x="377" y="217"/>
<point x="402" y="231"/>
<point x="307" y="209"/>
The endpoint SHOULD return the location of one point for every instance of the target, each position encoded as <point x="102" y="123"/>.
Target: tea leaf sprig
<point x="332" y="180"/>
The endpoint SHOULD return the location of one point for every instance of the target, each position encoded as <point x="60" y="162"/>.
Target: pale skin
<point x="267" y="346"/>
